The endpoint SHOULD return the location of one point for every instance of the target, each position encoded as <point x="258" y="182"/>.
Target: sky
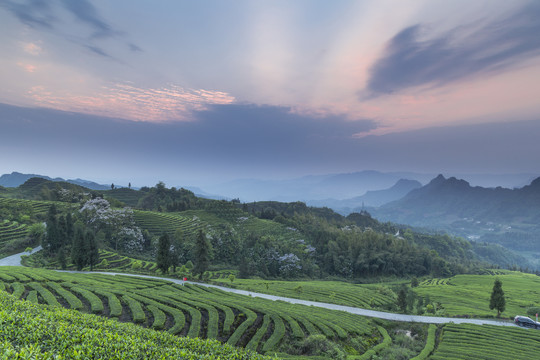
<point x="195" y="92"/>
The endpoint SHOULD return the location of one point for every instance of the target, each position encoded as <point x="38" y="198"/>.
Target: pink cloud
<point x="172" y="103"/>
<point x="32" y="48"/>
<point x="27" y="67"/>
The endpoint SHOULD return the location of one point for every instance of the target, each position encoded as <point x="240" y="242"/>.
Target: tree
<point x="497" y="300"/>
<point x="51" y="240"/>
<point x="402" y="300"/>
<point x="78" y="250"/>
<point x="163" y="254"/>
<point x="202" y="254"/>
<point x="92" y="255"/>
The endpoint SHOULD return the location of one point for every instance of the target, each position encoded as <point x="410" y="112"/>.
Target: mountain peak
<point x="536" y="183"/>
<point x="438" y="180"/>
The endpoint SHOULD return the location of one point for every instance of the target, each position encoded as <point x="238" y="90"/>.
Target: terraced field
<point x="335" y="292"/>
<point x="468" y="295"/>
<point x="10" y="230"/>
<point x="38" y="332"/>
<point x="157" y="223"/>
<point x="487" y="342"/>
<point x="109" y="261"/>
<point x="190" y="310"/>
<point x="32" y="205"/>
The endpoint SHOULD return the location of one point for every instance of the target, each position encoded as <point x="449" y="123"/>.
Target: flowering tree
<point x="119" y="224"/>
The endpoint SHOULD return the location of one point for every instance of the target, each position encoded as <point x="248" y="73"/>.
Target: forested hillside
<point x="267" y="239"/>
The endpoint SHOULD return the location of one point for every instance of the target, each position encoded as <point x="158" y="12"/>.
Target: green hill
<point x="277" y="239"/>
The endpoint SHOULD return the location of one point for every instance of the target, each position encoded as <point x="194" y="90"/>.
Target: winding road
<point x="15" y="260"/>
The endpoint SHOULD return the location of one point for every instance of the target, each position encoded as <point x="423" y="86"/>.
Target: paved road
<point x="349" y="309"/>
<point x="15" y="260"/>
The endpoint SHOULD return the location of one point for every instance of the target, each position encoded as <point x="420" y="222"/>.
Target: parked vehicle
<point x="526" y="322"/>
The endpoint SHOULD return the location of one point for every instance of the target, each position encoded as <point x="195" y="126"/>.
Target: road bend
<point x="15" y="260"/>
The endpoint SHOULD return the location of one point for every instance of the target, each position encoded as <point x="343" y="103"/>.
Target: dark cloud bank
<point x="266" y="137"/>
<point x="460" y="53"/>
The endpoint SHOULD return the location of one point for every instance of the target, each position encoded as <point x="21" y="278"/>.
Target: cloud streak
<point x="41" y="15"/>
<point x="410" y="59"/>
<point x="87" y="13"/>
<point x="35" y="13"/>
<point x="126" y="101"/>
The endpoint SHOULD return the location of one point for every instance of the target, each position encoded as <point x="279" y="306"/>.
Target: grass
<point x="469" y="295"/>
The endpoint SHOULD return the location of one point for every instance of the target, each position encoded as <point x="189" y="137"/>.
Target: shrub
<point x="317" y="345"/>
<point x="136" y="265"/>
<point x="532" y="311"/>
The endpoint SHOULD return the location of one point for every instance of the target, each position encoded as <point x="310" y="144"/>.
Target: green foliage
<point x="497" y="300"/>
<point x="430" y="343"/>
<point x="137" y="313"/>
<point x="35" y="332"/>
<point x="229" y="317"/>
<point x="387" y="340"/>
<point x="202" y="253"/>
<point x="532" y="311"/>
<point x="163" y="258"/>
<point x="336" y="292"/>
<point x="402" y="300"/>
<point x="486" y="342"/>
<point x="318" y="346"/>
<point x="136" y="265"/>
<point x="469" y="295"/>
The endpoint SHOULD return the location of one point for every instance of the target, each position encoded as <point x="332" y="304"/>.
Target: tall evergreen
<point x="62" y="232"/>
<point x="164" y="253"/>
<point x="402" y="300"/>
<point x="61" y="257"/>
<point x="202" y="254"/>
<point x="78" y="249"/>
<point x="92" y="253"/>
<point x="51" y="240"/>
<point x="497" y="300"/>
<point x="69" y="228"/>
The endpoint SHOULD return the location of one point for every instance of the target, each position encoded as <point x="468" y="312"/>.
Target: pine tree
<point x="51" y="240"/>
<point x="497" y="300"/>
<point x="69" y="228"/>
<point x="62" y="258"/>
<point x="163" y="254"/>
<point x="77" y="249"/>
<point x="402" y="300"/>
<point x="92" y="255"/>
<point x="202" y="254"/>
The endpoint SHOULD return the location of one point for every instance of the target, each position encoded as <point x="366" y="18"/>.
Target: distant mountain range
<point x="16" y="179"/>
<point x="507" y="216"/>
<point x="313" y="188"/>
<point x="372" y="198"/>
